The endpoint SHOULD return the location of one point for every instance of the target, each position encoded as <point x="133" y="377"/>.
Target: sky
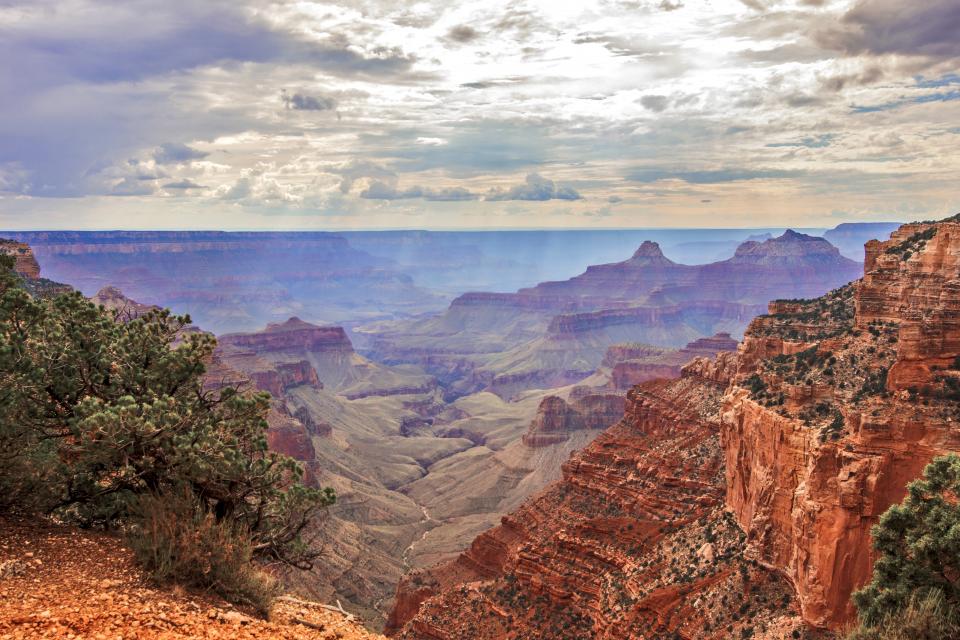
<point x="158" y="114"/>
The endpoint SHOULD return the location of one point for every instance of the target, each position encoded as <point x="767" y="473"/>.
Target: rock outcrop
<point x="112" y="299"/>
<point x="823" y="430"/>
<point x="26" y="266"/>
<point x="633" y="364"/>
<point x="293" y="335"/>
<point x="556" y="418"/>
<point x="25" y="263"/>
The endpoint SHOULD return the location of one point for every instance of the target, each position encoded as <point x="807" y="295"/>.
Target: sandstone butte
<point x="737" y="500"/>
<point x="62" y="583"/>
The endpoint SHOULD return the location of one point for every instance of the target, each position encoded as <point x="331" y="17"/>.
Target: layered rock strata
<point x="839" y="402"/>
<point x="556" y="418"/>
<point x="804" y="436"/>
<point x="632" y="543"/>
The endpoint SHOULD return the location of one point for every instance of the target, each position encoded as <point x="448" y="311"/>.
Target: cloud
<point x="132" y="187"/>
<point x="378" y="190"/>
<point x="799" y="99"/>
<point x="183" y="185"/>
<point x="602" y="212"/>
<point x="928" y="28"/>
<point x="536" y="188"/>
<point x="717" y="176"/>
<point x="816" y="142"/>
<point x="655" y="103"/>
<point x="177" y="152"/>
<point x="868" y="76"/>
<point x="463" y="34"/>
<point x="303" y="102"/>
<point x="943" y="96"/>
<point x="352" y="171"/>
<point x="240" y="190"/>
<point x="131" y="41"/>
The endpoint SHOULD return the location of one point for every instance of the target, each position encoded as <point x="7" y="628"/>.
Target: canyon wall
<point x="633" y="542"/>
<point x="826" y="429"/>
<point x="800" y="439"/>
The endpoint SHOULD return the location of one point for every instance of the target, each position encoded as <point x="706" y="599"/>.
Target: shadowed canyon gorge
<point x="648" y="448"/>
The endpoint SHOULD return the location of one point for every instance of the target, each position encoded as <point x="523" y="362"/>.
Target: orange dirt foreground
<point x="65" y="583"/>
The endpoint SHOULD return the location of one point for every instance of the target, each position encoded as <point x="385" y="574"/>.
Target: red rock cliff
<point x="820" y="437"/>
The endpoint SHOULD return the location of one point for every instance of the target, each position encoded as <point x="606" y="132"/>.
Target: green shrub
<point x="918" y="547"/>
<point x="176" y="540"/>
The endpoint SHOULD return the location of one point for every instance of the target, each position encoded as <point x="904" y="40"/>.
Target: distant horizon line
<point x="441" y="229"/>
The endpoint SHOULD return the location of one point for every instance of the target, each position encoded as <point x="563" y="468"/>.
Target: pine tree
<point x="96" y="413"/>
<point x="918" y="542"/>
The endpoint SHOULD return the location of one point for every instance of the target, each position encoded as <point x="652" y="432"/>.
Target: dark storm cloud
<point x="176" y="152"/>
<point x="921" y="28"/>
<point x="536" y="188"/>
<point x="303" y="102"/>
<point x="378" y="190"/>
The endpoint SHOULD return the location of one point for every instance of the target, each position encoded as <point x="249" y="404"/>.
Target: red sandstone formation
<point x="805" y="435"/>
<point x="556" y="419"/>
<point x="822" y="434"/>
<point x="292" y="335"/>
<point x="287" y="433"/>
<point x="283" y="376"/>
<point x="633" y="364"/>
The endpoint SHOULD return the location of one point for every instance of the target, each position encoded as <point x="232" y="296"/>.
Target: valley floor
<point x="64" y="583"/>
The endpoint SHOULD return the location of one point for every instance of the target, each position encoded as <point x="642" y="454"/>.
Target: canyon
<point x="558" y="332"/>
<point x="427" y="443"/>
<point x="737" y="499"/>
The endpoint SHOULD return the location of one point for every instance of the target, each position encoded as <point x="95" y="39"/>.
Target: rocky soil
<point x="66" y="584"/>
